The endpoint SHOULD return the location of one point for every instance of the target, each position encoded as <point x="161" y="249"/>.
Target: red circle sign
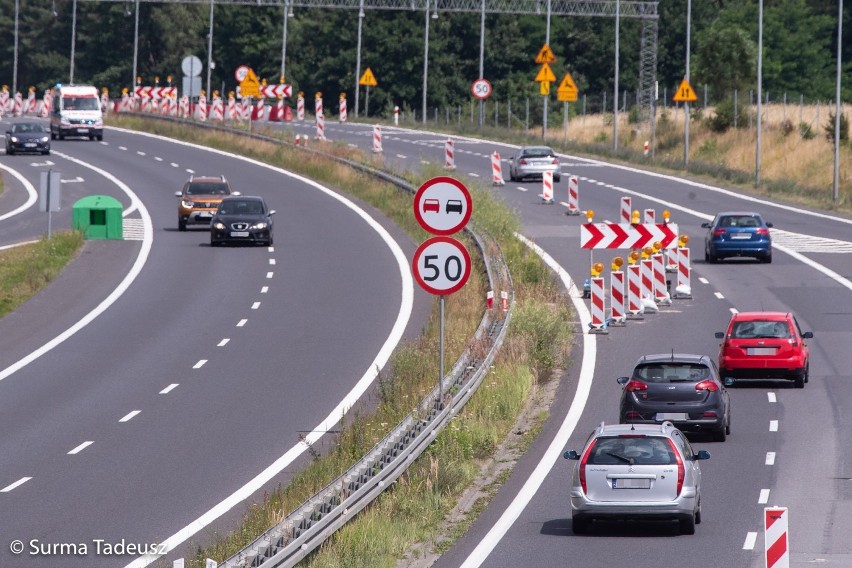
<point x="441" y="265"/>
<point x="481" y="89"/>
<point x="442" y="205"/>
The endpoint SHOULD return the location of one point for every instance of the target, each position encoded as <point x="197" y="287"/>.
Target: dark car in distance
<point x="681" y="388"/>
<point x="737" y="234"/>
<point x="242" y="219"/>
<point x="27" y="137"/>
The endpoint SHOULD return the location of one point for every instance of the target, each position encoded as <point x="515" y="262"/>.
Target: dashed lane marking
<point x="129" y="416"/>
<point x="169" y="388"/>
<point x="15" y="485"/>
<point x="81" y="447"/>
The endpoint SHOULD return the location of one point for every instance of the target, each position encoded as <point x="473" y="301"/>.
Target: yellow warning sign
<point x="545" y="55"/>
<point x="544" y="88"/>
<point x="685" y="93"/>
<point x="368" y="79"/>
<point x="250" y="86"/>
<point x="567" y="91"/>
<point x="545" y="74"/>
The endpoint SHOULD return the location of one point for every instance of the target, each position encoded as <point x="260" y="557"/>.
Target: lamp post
<point x="73" y="40"/>
<point x="544" y="112"/>
<point x="209" y="49"/>
<point x="759" y="90"/>
<point x="615" y="88"/>
<point x="837" y="108"/>
<point x="288" y="11"/>
<point x="426" y="53"/>
<point x="15" y="57"/>
<point x="135" y="52"/>
<point x="358" y="56"/>
<point x="482" y="60"/>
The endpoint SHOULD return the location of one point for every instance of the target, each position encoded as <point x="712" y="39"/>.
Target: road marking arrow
<point x="77" y="179"/>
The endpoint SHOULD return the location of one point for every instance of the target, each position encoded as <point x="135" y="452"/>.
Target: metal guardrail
<point x="315" y="520"/>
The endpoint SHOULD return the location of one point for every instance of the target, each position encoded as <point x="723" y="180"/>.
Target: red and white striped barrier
<point x="573" y="195"/>
<point x="318" y="106"/>
<point x="164" y="106"/>
<point x="683" y="289"/>
<point x="104" y="101"/>
<point x="377" y="139"/>
<point x="247" y="108"/>
<point x="18" y="105"/>
<point x="634" y="292"/>
<point x="646" y="147"/>
<point x="625" y="210"/>
<point x="622" y="235"/>
<point x="300" y="108"/>
<point x="504" y="301"/>
<point x="598" y="324"/>
<point x="489" y="299"/>
<point x="547" y="188"/>
<point x="45" y="103"/>
<point x="201" y="109"/>
<point x="218" y="112"/>
<point x="497" y="170"/>
<point x="184" y="107"/>
<point x="661" y="295"/>
<point x="4" y="102"/>
<point x="123" y="106"/>
<point x="146" y="104"/>
<point x="259" y="109"/>
<point x="647" y="287"/>
<point x="449" y="154"/>
<point x="616" y="297"/>
<point x="32" y="105"/>
<point x="650" y="217"/>
<point x="775" y="530"/>
<point x="279" y="108"/>
<point x="231" y="108"/>
<point x="341" y="110"/>
<point x="320" y="127"/>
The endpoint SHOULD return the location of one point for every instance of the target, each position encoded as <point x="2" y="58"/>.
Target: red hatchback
<point x="764" y="345"/>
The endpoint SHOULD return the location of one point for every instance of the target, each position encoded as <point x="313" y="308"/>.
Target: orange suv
<point x="199" y="199"/>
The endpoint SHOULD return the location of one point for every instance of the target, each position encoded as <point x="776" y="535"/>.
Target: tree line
<point x="800" y="48"/>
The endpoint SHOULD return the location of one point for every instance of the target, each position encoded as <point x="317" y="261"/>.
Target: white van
<point x="76" y="111"/>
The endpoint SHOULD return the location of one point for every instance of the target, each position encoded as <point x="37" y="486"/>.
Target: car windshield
<point x="80" y="103"/>
<point x="671" y="372"/>
<point x="739" y="221"/>
<point x="537" y="152"/>
<point x="760" y="330"/>
<point x="241" y="208"/>
<point x="18" y="128"/>
<point x="208" y="188"/>
<point x="640" y="450"/>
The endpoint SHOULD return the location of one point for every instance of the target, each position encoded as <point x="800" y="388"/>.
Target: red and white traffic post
<point x="342" y="108"/>
<point x="377" y="139"/>
<point x="647" y="286"/>
<point x="547" y="188"/>
<point x="634" y="292"/>
<point x="449" y="154"/>
<point x="300" y="107"/>
<point x="775" y="530"/>
<point x="683" y="289"/>
<point x="616" y="300"/>
<point x="661" y="295"/>
<point x="625" y="210"/>
<point x="598" y="324"/>
<point x="497" y="170"/>
<point x="650" y="217"/>
<point x="573" y="195"/>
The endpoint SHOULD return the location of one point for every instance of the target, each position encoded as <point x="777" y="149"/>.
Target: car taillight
<point x="583" y="461"/>
<point x="718" y="232"/>
<point x="681" y="472"/>
<point x="709" y="415"/>
<point x="707" y="385"/>
<point x="633" y="416"/>
<point x="762" y="231"/>
<point x="522" y="162"/>
<point x="555" y="162"/>
<point x="634" y="385"/>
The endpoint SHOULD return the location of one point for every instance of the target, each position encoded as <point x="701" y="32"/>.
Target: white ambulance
<point x="76" y="111"/>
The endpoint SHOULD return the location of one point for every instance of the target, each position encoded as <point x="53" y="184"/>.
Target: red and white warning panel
<point x="441" y="265"/>
<point x="627" y="235"/>
<point x="442" y="205"/>
<point x="775" y="526"/>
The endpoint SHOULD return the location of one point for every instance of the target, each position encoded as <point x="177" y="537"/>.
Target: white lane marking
<point x="190" y="171"/>
<point x="255" y="305"/>
<point x="751" y="539"/>
<point x="394" y="337"/>
<point x="703" y="280"/>
<point x="719" y="295"/>
<point x="773" y="425"/>
<point x="175" y="165"/>
<point x="764" y="497"/>
<point x="554" y="451"/>
<point x="14" y="485"/>
<point x="134" y="271"/>
<point x="270" y="249"/>
<point x="223" y="343"/>
<point x="242" y="322"/>
<point x="122" y="148"/>
<point x="200" y="364"/>
<point x="169" y="388"/>
<point x="269" y="274"/>
<point x="81" y="447"/>
<point x="771" y="397"/>
<point x="272" y="261"/>
<point x="770" y="458"/>
<point x="140" y="152"/>
<point x="401" y="157"/>
<point x="522" y="189"/>
<point x="264" y="289"/>
<point x="734" y="310"/>
<point x="158" y="159"/>
<point x="32" y="194"/>
<point x="471" y="174"/>
<point x="129" y="415"/>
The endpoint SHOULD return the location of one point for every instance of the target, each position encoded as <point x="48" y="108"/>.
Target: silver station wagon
<point x="636" y="472"/>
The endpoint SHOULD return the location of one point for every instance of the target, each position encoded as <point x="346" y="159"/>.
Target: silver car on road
<point x="636" y="471"/>
<point x="532" y="162"/>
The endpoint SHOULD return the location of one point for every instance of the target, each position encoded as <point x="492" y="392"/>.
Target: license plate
<point x="239" y="233"/>
<point x="740" y="236"/>
<point x="672" y="416"/>
<point x="82" y="130"/>
<point x="29" y="145"/>
<point x="631" y="483"/>
<point x="761" y="350"/>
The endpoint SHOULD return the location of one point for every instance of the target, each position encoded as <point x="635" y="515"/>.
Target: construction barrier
<point x="489" y="299"/>
<point x="218" y="111"/>
<point x="4" y="101"/>
<point x="318" y="105"/>
<point x="683" y="288"/>
<point x="449" y="154"/>
<point x="661" y="295"/>
<point x="497" y="170"/>
<point x="320" y="127"/>
<point x="32" y="106"/>
<point x="377" y="139"/>
<point x="300" y="108"/>
<point x="647" y="287"/>
<point x="547" y="188"/>
<point x="634" y="292"/>
<point x="573" y="195"/>
<point x="616" y="302"/>
<point x="625" y="210"/>
<point x="775" y="529"/>
<point x="184" y="106"/>
<point x="18" y="105"/>
<point x="259" y="111"/>
<point x="504" y="301"/>
<point x="598" y="323"/>
<point x="341" y="109"/>
<point x="650" y="217"/>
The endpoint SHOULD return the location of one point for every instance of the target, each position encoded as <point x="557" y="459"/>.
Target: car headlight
<point x="44" y="139"/>
<point x="219" y="225"/>
<point x="99" y="122"/>
<point x="261" y="225"/>
<point x="65" y="121"/>
<point x="14" y="138"/>
<point x="187" y="204"/>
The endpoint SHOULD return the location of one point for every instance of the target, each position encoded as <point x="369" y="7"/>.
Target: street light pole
<point x="482" y="60"/>
<point x="135" y="52"/>
<point x="73" y="40"/>
<point x="209" y="50"/>
<point x="686" y="104"/>
<point x="284" y="38"/>
<point x="615" y="88"/>
<point x="759" y="90"/>
<point x="15" y="58"/>
<point x="837" y="107"/>
<point x="544" y="111"/>
<point x="426" y="55"/>
<point x="358" y="57"/>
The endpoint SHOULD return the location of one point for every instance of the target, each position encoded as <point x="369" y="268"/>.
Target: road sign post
<point x="49" y="195"/>
<point x="544" y="58"/>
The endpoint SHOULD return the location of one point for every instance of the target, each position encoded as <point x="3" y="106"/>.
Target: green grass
<point x="26" y="269"/>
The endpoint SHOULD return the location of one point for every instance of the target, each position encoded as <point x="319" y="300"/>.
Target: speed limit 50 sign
<point x="441" y="265"/>
<point x="481" y="89"/>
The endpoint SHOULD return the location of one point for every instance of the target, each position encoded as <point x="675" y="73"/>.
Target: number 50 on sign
<point x="441" y="265"/>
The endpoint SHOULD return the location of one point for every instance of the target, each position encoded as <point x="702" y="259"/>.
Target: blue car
<point x="737" y="234"/>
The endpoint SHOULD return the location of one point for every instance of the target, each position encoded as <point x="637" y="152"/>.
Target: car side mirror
<point x="622" y="380"/>
<point x="571" y="455"/>
<point x="808" y="335"/>
<point x="705" y="225"/>
<point x="770" y="225"/>
<point x="271" y="212"/>
<point x="178" y="194"/>
<point x="719" y="335"/>
<point x="702" y="455"/>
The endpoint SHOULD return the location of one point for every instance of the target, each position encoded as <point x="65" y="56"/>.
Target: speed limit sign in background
<point x="481" y="89"/>
<point x="441" y="265"/>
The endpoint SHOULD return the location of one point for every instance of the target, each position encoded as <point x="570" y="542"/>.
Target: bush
<point x="844" y="127"/>
<point x="805" y="131"/>
<point x="634" y="116"/>
<point x="724" y="117"/>
<point x="787" y="127"/>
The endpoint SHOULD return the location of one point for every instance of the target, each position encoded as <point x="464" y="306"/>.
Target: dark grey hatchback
<point x="242" y="219"/>
<point x="682" y="388"/>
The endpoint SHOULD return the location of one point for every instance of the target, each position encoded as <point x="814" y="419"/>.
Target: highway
<point x="201" y="374"/>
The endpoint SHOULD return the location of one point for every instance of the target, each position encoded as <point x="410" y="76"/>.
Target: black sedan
<point x="681" y="388"/>
<point x="242" y="219"/>
<point x="27" y="137"/>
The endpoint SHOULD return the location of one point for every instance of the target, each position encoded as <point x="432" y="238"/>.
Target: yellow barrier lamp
<point x="597" y="268"/>
<point x="682" y="240"/>
<point x="590" y="214"/>
<point x="635" y="215"/>
<point x="633" y="257"/>
<point x="617" y="263"/>
<point x="658" y="246"/>
<point x="647" y="252"/>
<point x="667" y="216"/>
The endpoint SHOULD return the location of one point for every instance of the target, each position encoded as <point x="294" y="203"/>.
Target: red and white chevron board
<point x="155" y="92"/>
<point x="626" y="235"/>
<point x="272" y="91"/>
<point x="775" y="526"/>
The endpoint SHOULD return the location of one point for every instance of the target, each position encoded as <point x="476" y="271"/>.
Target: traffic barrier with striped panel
<point x="449" y="154"/>
<point x="683" y="289"/>
<point x="377" y="139"/>
<point x="661" y="295"/>
<point x="496" y="170"/>
<point x="598" y="323"/>
<point x="4" y="100"/>
<point x="573" y="195"/>
<point x="775" y="529"/>
<point x="320" y="127"/>
<point x="650" y="217"/>
<point x="616" y="301"/>
<point x="547" y="188"/>
<point x="184" y="107"/>
<point x="647" y="287"/>
<point x="231" y="109"/>
<point x="318" y="104"/>
<point x="32" y="105"/>
<point x="625" y="210"/>
<point x="634" y="292"/>
<point x="300" y="107"/>
<point x="341" y="108"/>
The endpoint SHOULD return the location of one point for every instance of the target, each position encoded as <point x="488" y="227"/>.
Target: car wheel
<point x="556" y="178"/>
<point x="100" y="137"/>
<point x="721" y="434"/>
<point x="712" y="258"/>
<point x="728" y="427"/>
<point x="181" y="225"/>
<point x="10" y="152"/>
<point x="214" y="243"/>
<point x="52" y="135"/>
<point x="698" y="513"/>
<point x="807" y="372"/>
<point x="799" y="381"/>
<point x="580" y="526"/>
<point x="767" y="258"/>
<point x="687" y="525"/>
<point x="46" y="153"/>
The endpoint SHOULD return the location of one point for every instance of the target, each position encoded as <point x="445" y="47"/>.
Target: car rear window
<point x="739" y="221"/>
<point x="208" y="188"/>
<point x="643" y="450"/>
<point x="538" y="152"/>
<point x="671" y="372"/>
<point x="760" y="330"/>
